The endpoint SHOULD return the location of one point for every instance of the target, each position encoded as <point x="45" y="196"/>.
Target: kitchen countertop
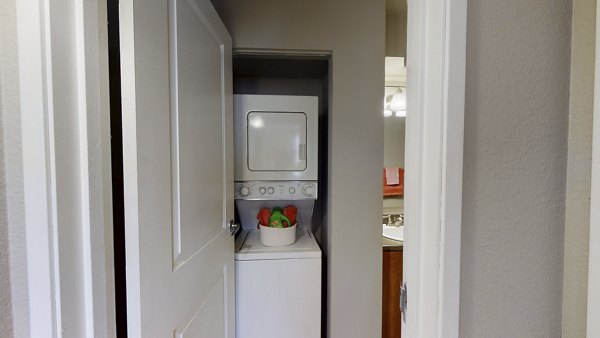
<point x="391" y="245"/>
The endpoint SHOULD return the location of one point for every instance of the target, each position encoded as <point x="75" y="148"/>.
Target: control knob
<point x="271" y="190"/>
<point x="292" y="190"/>
<point x="307" y="190"/>
<point x="262" y="190"/>
<point x="245" y="190"/>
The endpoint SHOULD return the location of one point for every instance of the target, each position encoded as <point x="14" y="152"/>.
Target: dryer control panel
<point x="275" y="190"/>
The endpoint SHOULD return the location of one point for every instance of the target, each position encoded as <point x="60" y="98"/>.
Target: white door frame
<point x="434" y="165"/>
<point x="63" y="81"/>
<point x="434" y="147"/>
<point x="593" y="306"/>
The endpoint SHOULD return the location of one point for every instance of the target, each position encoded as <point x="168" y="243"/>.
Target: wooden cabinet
<point x="392" y="279"/>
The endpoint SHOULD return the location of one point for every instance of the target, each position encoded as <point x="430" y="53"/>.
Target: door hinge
<point x="403" y="297"/>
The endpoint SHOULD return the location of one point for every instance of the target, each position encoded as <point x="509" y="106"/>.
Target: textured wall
<point x="517" y="96"/>
<point x="14" y="309"/>
<point x="577" y="211"/>
<point x="354" y="31"/>
<point x="5" y="292"/>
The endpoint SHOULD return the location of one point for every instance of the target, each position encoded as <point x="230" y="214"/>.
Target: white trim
<point x="434" y="154"/>
<point x="103" y="250"/>
<point x="51" y="126"/>
<point x="130" y="170"/>
<point x="38" y="176"/>
<point x="95" y="167"/>
<point x="593" y="306"/>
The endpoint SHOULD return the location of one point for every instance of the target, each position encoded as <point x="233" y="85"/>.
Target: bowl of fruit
<point x="277" y="226"/>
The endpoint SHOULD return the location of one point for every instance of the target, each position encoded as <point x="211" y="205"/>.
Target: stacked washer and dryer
<point x="278" y="289"/>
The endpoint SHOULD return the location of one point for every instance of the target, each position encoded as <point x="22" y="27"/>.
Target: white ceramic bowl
<point x="278" y="236"/>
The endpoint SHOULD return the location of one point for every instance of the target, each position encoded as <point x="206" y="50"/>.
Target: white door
<point x="178" y="170"/>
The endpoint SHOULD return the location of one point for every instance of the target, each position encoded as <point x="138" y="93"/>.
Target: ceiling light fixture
<point x="396" y="103"/>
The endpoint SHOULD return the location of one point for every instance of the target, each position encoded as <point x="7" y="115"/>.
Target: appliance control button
<point x="271" y="190"/>
<point x="245" y="190"/>
<point x="307" y="190"/>
<point x="262" y="190"/>
<point x="292" y="190"/>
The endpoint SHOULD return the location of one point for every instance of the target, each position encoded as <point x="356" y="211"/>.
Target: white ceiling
<point x="395" y="72"/>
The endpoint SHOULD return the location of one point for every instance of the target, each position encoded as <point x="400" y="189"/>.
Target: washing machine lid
<point x="248" y="247"/>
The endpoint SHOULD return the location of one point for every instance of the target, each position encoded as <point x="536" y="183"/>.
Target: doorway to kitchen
<point x="394" y="112"/>
<point x="393" y="192"/>
<point x="422" y="176"/>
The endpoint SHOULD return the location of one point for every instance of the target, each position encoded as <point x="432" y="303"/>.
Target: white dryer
<point x="276" y="138"/>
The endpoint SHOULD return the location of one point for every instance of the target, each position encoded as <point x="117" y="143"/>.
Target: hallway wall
<point x="579" y="169"/>
<point x="515" y="155"/>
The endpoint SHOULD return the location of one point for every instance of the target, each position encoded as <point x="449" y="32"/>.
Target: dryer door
<point x="276" y="138"/>
<point x="276" y="141"/>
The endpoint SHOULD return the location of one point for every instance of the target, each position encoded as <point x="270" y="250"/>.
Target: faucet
<point x="393" y="219"/>
<point x="387" y="219"/>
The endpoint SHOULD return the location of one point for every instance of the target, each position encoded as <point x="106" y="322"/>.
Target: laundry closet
<point x="278" y="101"/>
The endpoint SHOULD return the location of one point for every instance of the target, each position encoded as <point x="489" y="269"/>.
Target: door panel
<point x="178" y="177"/>
<point x="207" y="321"/>
<point x="195" y="131"/>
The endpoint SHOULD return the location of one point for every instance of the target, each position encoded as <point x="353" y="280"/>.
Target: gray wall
<point x="14" y="309"/>
<point x="393" y="156"/>
<point x="516" y="117"/>
<point x="394" y="142"/>
<point x="5" y="292"/>
<point x="395" y="34"/>
<point x="577" y="211"/>
<point x="354" y="31"/>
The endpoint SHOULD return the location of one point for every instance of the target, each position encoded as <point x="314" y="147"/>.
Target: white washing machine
<point x="278" y="289"/>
